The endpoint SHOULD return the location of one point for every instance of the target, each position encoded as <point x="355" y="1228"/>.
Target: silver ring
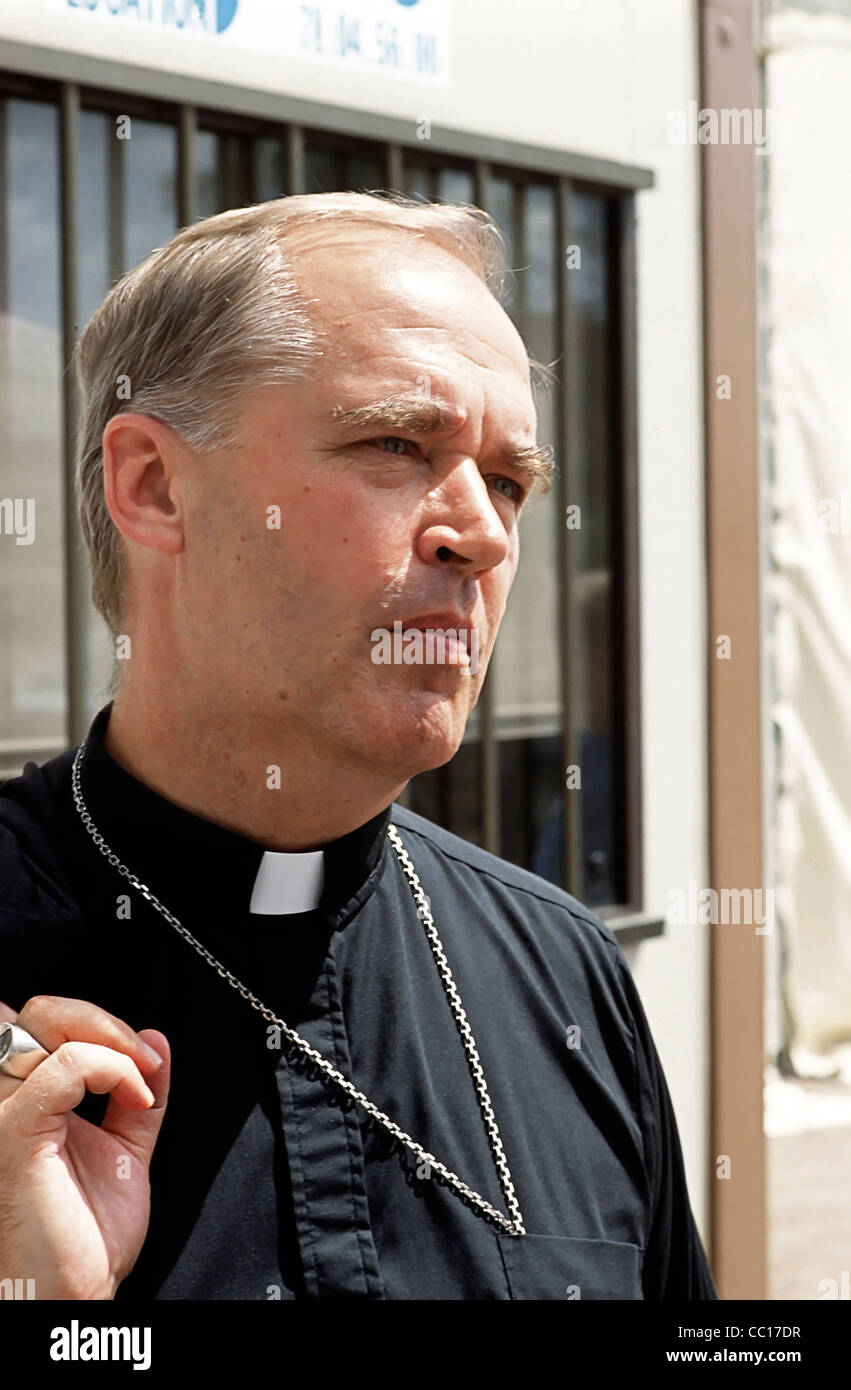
<point x="20" y="1052"/>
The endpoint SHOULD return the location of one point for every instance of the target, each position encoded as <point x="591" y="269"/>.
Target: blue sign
<point x="225" y="11"/>
<point x="202" y="16"/>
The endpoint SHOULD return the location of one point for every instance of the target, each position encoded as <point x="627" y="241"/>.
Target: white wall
<point x="595" y="77"/>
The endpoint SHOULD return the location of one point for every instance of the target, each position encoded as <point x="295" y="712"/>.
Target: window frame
<point x="74" y="82"/>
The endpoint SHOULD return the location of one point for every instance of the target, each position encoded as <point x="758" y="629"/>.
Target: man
<point x="400" y="1068"/>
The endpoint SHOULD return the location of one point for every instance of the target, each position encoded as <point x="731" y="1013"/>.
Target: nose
<point x="464" y="526"/>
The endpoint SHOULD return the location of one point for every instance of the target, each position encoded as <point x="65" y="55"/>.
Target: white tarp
<point x="808" y="320"/>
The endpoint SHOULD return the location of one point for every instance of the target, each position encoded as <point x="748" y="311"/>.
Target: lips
<point x="442" y="638"/>
<point x="444" y="621"/>
<point x="460" y="648"/>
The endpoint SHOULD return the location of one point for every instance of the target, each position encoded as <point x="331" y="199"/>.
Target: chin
<point x="419" y="732"/>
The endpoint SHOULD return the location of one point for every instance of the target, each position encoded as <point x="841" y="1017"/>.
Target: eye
<point x="396" y="443"/>
<point x="518" y="493"/>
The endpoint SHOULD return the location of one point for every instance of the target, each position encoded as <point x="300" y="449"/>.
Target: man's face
<point x="400" y="512"/>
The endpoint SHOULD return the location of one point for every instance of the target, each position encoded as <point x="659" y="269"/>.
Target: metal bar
<point x="518" y="241"/>
<point x="627" y="568"/>
<point x="295" y="171"/>
<point x="7" y="672"/>
<point x="275" y="106"/>
<point x="31" y="750"/>
<point x="4" y="228"/>
<point x="115" y="201"/>
<point x="75" y="563"/>
<point x="282" y="161"/>
<point x="631" y="927"/>
<point x="489" y="763"/>
<point x="489" y="748"/>
<point x="566" y="445"/>
<point x="187" y="125"/>
<point x="281" y="143"/>
<point x="521" y="800"/>
<point x="394" y="175"/>
<point x="16" y="753"/>
<point x="738" y="1217"/>
<point x="245" y="179"/>
<point x="222" y="189"/>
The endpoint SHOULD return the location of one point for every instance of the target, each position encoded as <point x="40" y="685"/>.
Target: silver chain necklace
<point x="514" y="1225"/>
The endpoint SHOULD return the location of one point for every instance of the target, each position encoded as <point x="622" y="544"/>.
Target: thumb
<point x="139" y="1128"/>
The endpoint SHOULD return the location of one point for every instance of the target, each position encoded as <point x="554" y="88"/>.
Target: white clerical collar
<point x="288" y="882"/>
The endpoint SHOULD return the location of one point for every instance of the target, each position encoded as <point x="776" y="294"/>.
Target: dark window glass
<point x="591" y="366"/>
<point x="455" y="186"/>
<point x="330" y="168"/>
<point x="32" y="688"/>
<point x="419" y="179"/>
<point x="150" y="188"/>
<point x="439" y="183"/>
<point x="206" y="156"/>
<point x="502" y="206"/>
<point x="525" y="671"/>
<point x="226" y="168"/>
<point x="96" y="254"/>
<point x="97" y="130"/>
<point x="269" y="169"/>
<point x="235" y="171"/>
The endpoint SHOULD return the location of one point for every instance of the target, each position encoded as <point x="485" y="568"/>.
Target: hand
<point x="75" y="1197"/>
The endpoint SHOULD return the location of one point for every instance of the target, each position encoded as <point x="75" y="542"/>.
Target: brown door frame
<point x="729" y="79"/>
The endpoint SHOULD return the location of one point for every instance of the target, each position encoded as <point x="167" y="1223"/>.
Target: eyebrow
<point x="418" y="415"/>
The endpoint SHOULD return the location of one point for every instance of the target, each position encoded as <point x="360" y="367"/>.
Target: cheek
<point x="337" y="548"/>
<point x="496" y="585"/>
<point x="359" y="540"/>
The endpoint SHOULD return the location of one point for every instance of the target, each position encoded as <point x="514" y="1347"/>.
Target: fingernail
<point x="153" y="1057"/>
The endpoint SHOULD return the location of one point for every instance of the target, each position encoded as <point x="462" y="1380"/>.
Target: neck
<point x="217" y="766"/>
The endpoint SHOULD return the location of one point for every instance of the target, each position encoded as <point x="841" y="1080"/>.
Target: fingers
<point x="60" y="1083"/>
<point x="54" y="1021"/>
<point x="137" y="1129"/>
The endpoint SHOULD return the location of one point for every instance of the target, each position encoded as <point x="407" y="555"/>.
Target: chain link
<point x="512" y="1226"/>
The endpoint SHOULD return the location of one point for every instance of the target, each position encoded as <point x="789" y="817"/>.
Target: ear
<point x="142" y="481"/>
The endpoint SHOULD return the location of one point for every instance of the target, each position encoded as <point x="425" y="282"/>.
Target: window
<point x="553" y="684"/>
<point x="334" y="164"/>
<point x="561" y="693"/>
<point x="32" y="683"/>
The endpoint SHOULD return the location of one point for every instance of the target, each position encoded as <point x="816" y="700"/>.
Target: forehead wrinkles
<point x="434" y="363"/>
<point x="484" y="398"/>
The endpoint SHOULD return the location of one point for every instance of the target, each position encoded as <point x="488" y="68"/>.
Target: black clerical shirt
<point x="263" y="1186"/>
